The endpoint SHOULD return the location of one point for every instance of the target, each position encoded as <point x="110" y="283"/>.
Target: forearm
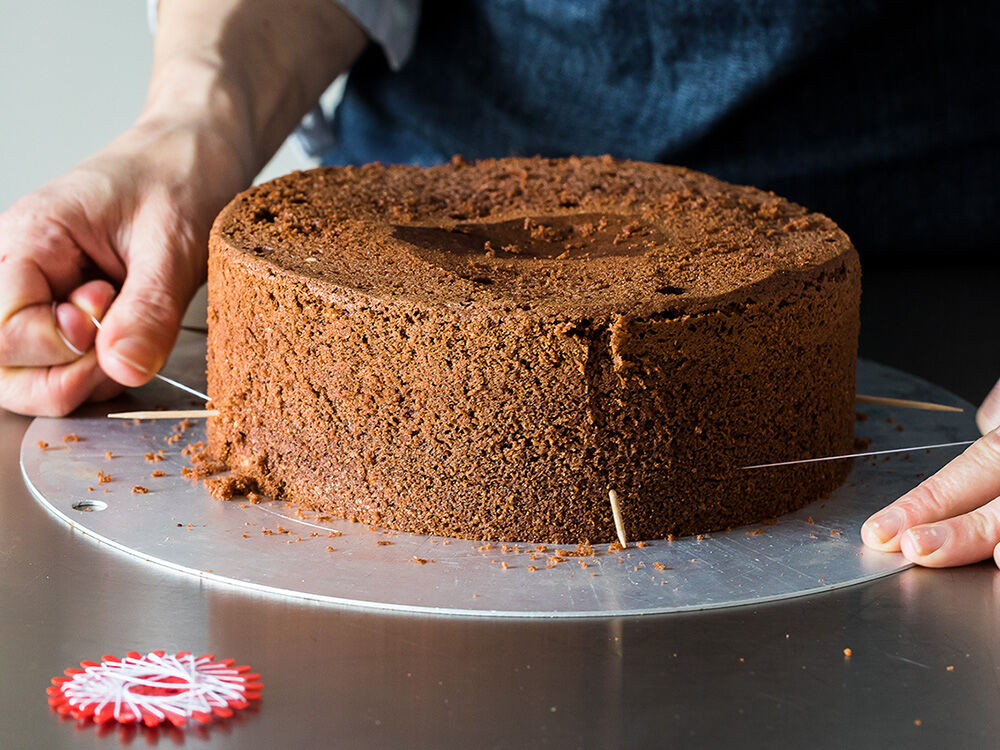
<point x="245" y="71"/>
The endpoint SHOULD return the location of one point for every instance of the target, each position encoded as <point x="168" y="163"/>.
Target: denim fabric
<point x="882" y="114"/>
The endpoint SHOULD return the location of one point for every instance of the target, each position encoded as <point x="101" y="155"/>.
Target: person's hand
<point x="121" y="238"/>
<point x="953" y="517"/>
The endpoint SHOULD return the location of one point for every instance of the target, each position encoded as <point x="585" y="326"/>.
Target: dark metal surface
<point x="773" y="675"/>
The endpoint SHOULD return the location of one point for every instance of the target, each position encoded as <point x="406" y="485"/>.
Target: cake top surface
<point x="583" y="236"/>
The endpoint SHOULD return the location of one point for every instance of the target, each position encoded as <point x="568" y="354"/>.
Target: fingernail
<point x="59" y="331"/>
<point x="988" y="415"/>
<point x="927" y="539"/>
<point x="885" y="525"/>
<point x="135" y="353"/>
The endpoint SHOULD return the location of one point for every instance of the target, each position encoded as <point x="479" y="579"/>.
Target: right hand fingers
<point x="51" y="391"/>
<point x="965" y="484"/>
<point x="988" y="416"/>
<point x="33" y="332"/>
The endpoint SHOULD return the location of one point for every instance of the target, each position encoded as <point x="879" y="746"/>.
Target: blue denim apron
<point x="884" y="115"/>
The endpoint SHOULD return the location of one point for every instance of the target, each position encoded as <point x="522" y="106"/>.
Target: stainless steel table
<point x="767" y="676"/>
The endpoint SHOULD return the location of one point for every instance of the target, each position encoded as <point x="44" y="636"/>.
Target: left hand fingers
<point x="964" y="486"/>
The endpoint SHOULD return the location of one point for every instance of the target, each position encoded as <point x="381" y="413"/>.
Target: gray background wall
<point x="73" y="75"/>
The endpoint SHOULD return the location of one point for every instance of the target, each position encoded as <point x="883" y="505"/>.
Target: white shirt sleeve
<point x="392" y="24"/>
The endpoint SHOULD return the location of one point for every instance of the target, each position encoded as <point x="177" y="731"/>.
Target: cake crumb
<point x="950" y="668"/>
<point x="917" y="722"/>
<point x="225" y="488"/>
<point x="109" y="455"/>
<point x="153" y="457"/>
<point x="139" y="490"/>
<point x="42" y="445"/>
<point x="420" y="561"/>
<point x="659" y="566"/>
<point x="72" y="438"/>
<point x="103" y="478"/>
<point x="158" y="473"/>
<point x="329" y="549"/>
<point x="848" y="653"/>
<point x="532" y="568"/>
<point x="192" y="448"/>
<point x="504" y="565"/>
<point x="754" y="532"/>
<point x="383" y="543"/>
<point x="642" y="544"/>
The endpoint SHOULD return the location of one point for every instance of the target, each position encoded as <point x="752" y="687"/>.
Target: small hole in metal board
<point x="89" y="506"/>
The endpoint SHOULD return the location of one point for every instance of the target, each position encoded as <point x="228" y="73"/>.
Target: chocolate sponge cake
<point x="484" y="350"/>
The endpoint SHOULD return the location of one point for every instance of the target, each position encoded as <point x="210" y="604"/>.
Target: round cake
<point x="485" y="350"/>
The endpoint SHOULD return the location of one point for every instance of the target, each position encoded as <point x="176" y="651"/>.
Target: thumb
<point x="988" y="416"/>
<point x="141" y="326"/>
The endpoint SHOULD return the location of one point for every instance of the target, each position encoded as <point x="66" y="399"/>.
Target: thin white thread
<point x="66" y="342"/>
<point x="859" y="455"/>
<point x="164" y="378"/>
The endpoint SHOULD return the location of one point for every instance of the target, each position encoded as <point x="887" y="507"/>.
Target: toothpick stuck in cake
<point x="168" y="414"/>
<point x="617" y="512"/>
<point x="905" y="403"/>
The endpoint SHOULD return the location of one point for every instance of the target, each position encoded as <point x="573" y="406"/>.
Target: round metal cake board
<point x="271" y="548"/>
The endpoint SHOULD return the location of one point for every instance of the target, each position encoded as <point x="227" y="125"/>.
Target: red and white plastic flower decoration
<point x="154" y="688"/>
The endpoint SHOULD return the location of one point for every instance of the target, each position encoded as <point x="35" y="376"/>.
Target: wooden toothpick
<point x="174" y="414"/>
<point x="616" y="511"/>
<point x="905" y="403"/>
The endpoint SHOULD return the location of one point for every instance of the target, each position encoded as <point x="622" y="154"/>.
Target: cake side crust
<point x="512" y="425"/>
